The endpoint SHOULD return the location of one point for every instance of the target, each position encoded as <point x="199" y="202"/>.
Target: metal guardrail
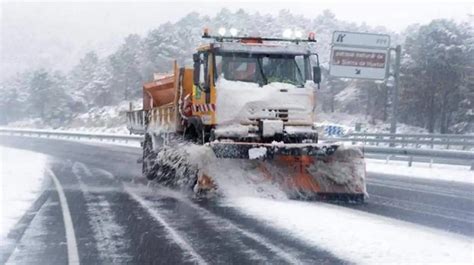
<point x="433" y="141"/>
<point x="72" y="135"/>
<point x="409" y="152"/>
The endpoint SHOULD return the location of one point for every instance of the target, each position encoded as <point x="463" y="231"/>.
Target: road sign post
<point x="396" y="82"/>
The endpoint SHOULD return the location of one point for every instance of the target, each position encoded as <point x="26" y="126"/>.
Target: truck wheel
<point x="149" y="156"/>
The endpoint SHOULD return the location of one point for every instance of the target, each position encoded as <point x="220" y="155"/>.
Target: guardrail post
<point x="432" y="140"/>
<point x="447" y="143"/>
<point x="431" y="162"/>
<point x="410" y="161"/>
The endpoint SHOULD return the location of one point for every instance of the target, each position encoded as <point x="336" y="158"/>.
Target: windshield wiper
<point x="259" y="62"/>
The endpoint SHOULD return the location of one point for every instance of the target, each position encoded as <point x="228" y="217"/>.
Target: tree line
<point x="436" y="90"/>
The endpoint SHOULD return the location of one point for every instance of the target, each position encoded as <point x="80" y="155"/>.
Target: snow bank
<point x="357" y="236"/>
<point x="21" y="176"/>
<point x="107" y="119"/>
<point x="422" y="170"/>
<point x="110" y="119"/>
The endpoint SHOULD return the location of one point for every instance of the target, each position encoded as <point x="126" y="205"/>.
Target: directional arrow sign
<point x="358" y="63"/>
<point x="359" y="55"/>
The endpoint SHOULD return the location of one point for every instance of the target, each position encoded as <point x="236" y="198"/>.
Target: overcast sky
<point x="141" y="16"/>
<point x="90" y="24"/>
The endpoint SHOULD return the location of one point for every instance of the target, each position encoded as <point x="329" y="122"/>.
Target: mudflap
<point x="307" y="171"/>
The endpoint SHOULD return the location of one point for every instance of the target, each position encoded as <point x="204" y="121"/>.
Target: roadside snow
<point x="107" y="119"/>
<point x="359" y="237"/>
<point x="348" y="122"/>
<point x="21" y="176"/>
<point x="94" y="140"/>
<point x="421" y="170"/>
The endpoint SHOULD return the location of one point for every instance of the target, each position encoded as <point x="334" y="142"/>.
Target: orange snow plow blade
<point x="306" y="171"/>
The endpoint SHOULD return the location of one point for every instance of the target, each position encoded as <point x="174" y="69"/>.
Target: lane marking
<point x="282" y="253"/>
<point x="182" y="243"/>
<point x="102" y="220"/>
<point x="72" y="251"/>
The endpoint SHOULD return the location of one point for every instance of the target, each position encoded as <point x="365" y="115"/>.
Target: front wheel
<point x="149" y="158"/>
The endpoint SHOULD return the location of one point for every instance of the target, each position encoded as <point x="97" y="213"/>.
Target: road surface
<point x="116" y="221"/>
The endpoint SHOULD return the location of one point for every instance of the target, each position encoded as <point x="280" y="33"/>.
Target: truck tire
<point x="149" y="157"/>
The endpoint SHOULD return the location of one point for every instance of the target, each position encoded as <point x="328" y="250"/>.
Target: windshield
<point x="262" y="69"/>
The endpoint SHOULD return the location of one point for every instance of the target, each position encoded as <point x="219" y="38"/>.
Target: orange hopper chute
<point x="159" y="92"/>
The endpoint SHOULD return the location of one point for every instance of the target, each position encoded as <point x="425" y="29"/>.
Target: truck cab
<point x="254" y="90"/>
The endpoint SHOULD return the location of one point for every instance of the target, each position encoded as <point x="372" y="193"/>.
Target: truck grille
<point x="281" y="114"/>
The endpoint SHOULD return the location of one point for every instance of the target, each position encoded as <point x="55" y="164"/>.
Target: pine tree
<point x="435" y="56"/>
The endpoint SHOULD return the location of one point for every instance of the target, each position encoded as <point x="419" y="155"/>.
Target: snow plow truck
<point x="247" y="99"/>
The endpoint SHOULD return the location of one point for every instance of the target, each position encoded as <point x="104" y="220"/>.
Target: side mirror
<point x="317" y="74"/>
<point x="196" y="57"/>
<point x="197" y="69"/>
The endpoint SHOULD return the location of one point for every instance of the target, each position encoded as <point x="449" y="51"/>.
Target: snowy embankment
<point x="107" y="119"/>
<point x="21" y="178"/>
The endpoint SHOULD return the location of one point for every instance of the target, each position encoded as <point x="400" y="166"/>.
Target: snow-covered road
<point x="406" y="220"/>
<point x="363" y="238"/>
<point x="21" y="178"/>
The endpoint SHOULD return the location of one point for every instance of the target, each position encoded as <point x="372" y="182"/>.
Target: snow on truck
<point x="251" y="101"/>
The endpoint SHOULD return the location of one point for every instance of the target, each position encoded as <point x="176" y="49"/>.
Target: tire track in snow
<point x="109" y="235"/>
<point x="175" y="235"/>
